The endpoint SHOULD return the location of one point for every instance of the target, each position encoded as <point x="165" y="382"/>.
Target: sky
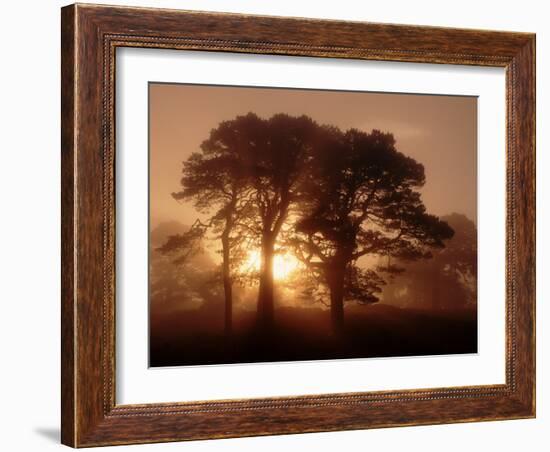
<point x="438" y="131"/>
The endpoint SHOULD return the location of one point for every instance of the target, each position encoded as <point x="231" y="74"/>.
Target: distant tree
<point x="216" y="179"/>
<point x="362" y="199"/>
<point x="180" y="286"/>
<point x="446" y="281"/>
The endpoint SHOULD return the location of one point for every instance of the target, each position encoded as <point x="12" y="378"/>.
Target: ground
<point x="194" y="338"/>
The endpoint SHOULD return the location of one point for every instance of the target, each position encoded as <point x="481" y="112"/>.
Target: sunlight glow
<point x="284" y="265"/>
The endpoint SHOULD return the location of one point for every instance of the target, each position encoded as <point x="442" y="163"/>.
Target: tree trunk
<point x="335" y="278"/>
<point x="265" y="293"/>
<point x="227" y="285"/>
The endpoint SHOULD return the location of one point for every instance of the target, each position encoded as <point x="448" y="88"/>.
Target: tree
<point x="448" y="279"/>
<point x="180" y="286"/>
<point x="217" y="181"/>
<point x="249" y="172"/>
<point x="362" y="199"/>
<point x="279" y="151"/>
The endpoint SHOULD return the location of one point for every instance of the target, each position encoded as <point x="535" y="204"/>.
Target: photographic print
<point x="299" y="224"/>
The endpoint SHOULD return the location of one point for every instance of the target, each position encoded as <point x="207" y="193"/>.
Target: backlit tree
<point x="362" y="199"/>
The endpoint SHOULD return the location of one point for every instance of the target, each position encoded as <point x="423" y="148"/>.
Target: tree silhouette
<point x="174" y="287"/>
<point x="361" y="199"/>
<point x="278" y="152"/>
<point x="217" y="181"/>
<point x="249" y="172"/>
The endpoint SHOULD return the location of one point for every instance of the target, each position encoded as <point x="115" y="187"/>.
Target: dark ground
<point x="193" y="337"/>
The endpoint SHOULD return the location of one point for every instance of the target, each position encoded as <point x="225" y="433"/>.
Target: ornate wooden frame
<point x="90" y="35"/>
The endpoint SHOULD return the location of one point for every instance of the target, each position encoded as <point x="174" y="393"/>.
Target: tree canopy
<point x="362" y="198"/>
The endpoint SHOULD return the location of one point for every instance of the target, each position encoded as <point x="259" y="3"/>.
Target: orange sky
<point x="438" y="131"/>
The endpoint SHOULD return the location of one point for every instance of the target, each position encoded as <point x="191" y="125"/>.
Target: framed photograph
<point x="282" y="225"/>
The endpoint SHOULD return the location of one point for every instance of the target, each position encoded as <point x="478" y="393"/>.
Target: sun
<point x="284" y="264"/>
